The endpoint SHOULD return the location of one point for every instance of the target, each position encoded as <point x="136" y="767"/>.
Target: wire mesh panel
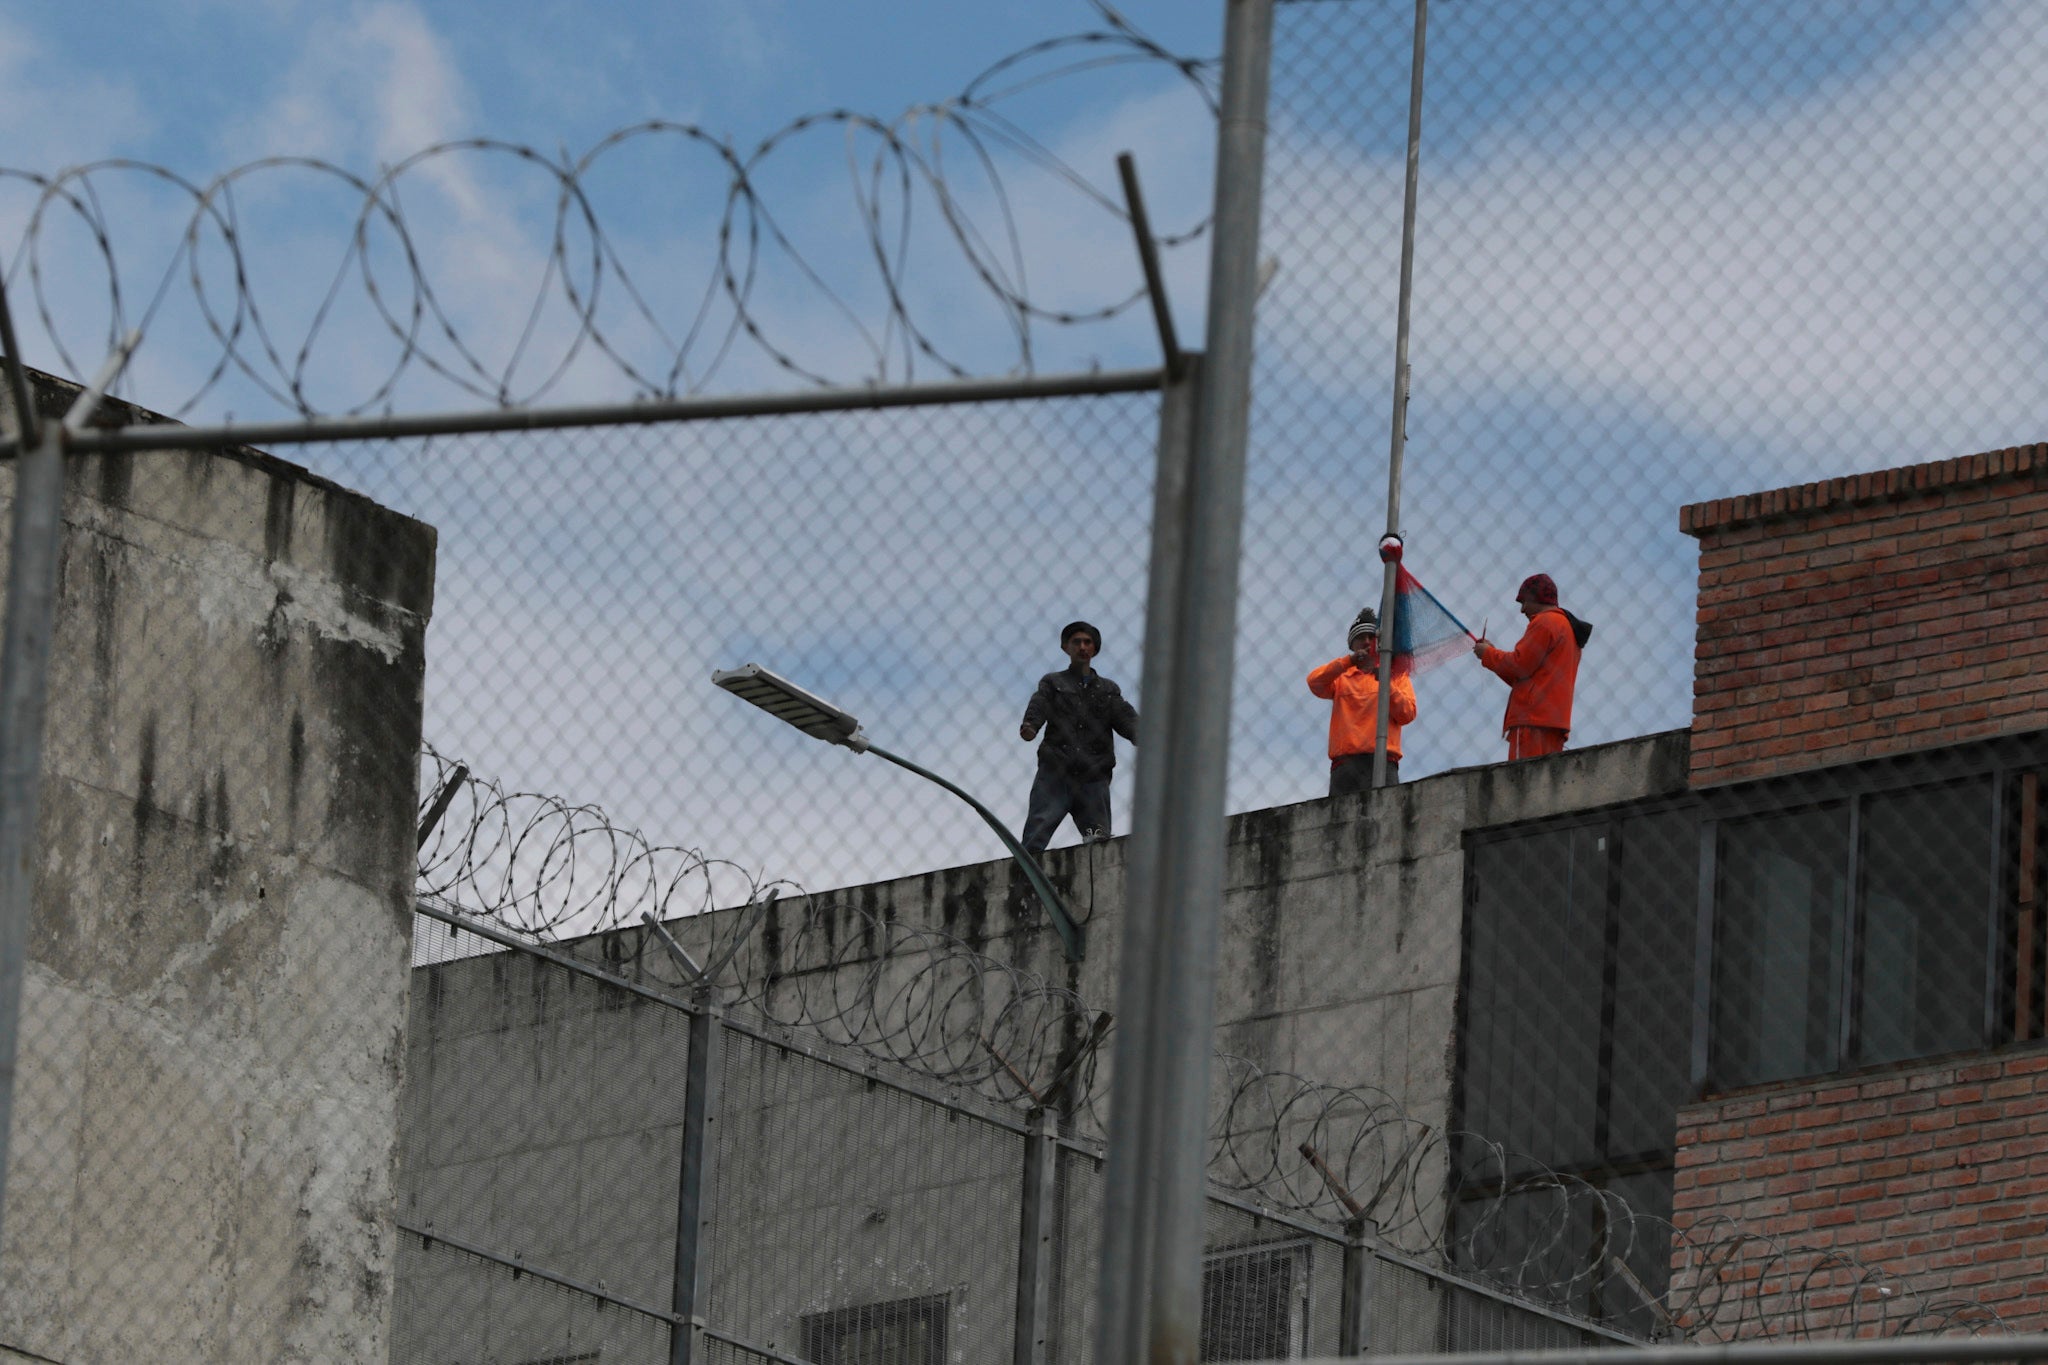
<point x="1078" y="1242"/>
<point x="543" y="1124"/>
<point x="856" y="1222"/>
<point x="1269" y="1291"/>
<point x="458" y="1308"/>
<point x="1660" y="257"/>
<point x="1685" y="1028"/>
<point x="913" y="567"/>
<point x="1664" y="261"/>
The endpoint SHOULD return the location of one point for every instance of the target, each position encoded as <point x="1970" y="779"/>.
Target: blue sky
<point x="190" y="84"/>
<point x="1664" y="253"/>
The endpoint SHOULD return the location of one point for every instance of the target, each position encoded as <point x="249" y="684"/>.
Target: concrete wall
<point x="1341" y="918"/>
<point x="542" y="1117"/>
<point x="1339" y="948"/>
<point x="212" y="1035"/>
<point x="1935" y="1173"/>
<point x="1871" y="615"/>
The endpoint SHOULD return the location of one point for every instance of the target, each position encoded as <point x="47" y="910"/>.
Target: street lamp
<point x="820" y="719"/>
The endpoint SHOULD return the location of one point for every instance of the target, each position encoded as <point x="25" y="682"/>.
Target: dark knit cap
<point x="1367" y="622"/>
<point x="1067" y="631"/>
<point x="1538" y="588"/>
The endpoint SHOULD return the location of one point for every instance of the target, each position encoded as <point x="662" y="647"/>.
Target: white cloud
<point x="1848" y="262"/>
<point x="376" y="83"/>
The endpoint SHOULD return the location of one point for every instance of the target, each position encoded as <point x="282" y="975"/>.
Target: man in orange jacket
<point x="1540" y="672"/>
<point x="1351" y="684"/>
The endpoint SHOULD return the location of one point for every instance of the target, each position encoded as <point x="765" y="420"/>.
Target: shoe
<point x="1094" y="836"/>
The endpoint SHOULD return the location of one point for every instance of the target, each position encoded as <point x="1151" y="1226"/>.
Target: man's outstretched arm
<point x="1034" y="714"/>
<point x="1123" y="717"/>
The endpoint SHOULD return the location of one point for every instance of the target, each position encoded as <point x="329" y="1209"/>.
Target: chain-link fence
<point x="1725" y="1023"/>
<point x="565" y="1198"/>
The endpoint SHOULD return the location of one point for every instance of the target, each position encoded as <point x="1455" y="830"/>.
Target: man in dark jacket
<point x="1079" y="710"/>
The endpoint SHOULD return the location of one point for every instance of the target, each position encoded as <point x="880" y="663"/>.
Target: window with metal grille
<point x="1255" y="1302"/>
<point x="900" y="1332"/>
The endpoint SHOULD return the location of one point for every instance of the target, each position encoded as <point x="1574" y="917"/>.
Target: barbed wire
<point x="552" y="870"/>
<point x="1335" y="1153"/>
<point x="556" y="871"/>
<point x="893" y="165"/>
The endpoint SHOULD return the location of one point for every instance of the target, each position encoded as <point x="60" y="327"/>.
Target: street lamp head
<point x="784" y="700"/>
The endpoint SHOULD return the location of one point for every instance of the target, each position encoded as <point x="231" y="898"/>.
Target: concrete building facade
<point x="1870" y="661"/>
<point x="547" y="1113"/>
<point x="212" y="1034"/>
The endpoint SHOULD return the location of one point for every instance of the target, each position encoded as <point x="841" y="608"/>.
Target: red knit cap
<point x="1538" y="588"/>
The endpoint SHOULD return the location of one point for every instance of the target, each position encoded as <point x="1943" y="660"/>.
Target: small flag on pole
<point x="1425" y="632"/>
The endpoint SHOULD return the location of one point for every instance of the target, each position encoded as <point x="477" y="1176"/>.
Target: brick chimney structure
<point x="1870" y="615"/>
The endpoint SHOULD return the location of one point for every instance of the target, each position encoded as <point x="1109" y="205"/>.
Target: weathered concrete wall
<point x="543" y="1122"/>
<point x="202" y="1158"/>
<point x="1341" y="917"/>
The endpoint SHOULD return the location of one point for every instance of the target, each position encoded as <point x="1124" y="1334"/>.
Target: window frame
<point x="1607" y="1166"/>
<point x="2004" y="761"/>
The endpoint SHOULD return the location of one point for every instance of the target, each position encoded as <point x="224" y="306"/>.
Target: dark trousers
<point x="1054" y="797"/>
<point x="1353" y="773"/>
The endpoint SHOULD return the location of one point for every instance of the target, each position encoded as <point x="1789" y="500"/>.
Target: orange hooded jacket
<point x="1541" y="671"/>
<point x="1354" y="695"/>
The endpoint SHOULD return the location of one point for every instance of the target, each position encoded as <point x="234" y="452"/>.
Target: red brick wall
<point x="1870" y="615"/>
<point x="1935" y="1176"/>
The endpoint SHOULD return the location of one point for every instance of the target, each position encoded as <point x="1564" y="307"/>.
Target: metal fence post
<point x="1361" y="1266"/>
<point x="1034" y="1240"/>
<point x="24" y="702"/>
<point x="698" y="1186"/>
<point x="1154" y="1191"/>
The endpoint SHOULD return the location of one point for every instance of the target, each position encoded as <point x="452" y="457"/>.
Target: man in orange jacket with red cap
<point x="1540" y="671"/>
<point x="1351" y="684"/>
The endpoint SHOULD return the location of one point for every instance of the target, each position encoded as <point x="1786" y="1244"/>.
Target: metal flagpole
<point x="1388" y="597"/>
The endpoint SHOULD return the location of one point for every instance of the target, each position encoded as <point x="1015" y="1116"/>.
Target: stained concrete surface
<point x="212" y="1041"/>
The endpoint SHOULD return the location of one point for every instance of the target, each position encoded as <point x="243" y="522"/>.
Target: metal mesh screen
<point x="543" y="1121"/>
<point x="912" y="567"/>
<point x="1679" y="1033"/>
<point x="1079" y="1242"/>
<point x="838" y="1196"/>
<point x="454" y="1306"/>
<point x="210" y="1035"/>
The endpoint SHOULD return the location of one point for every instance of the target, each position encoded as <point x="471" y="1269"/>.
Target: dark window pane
<point x="1532" y="1003"/>
<point x="1927" y="867"/>
<point x="1777" y="945"/>
<point x="1659" y="911"/>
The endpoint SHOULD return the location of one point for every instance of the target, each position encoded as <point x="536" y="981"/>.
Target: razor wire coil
<point x="893" y="165"/>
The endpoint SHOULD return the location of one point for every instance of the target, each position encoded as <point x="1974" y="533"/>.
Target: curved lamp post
<point x="820" y="719"/>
